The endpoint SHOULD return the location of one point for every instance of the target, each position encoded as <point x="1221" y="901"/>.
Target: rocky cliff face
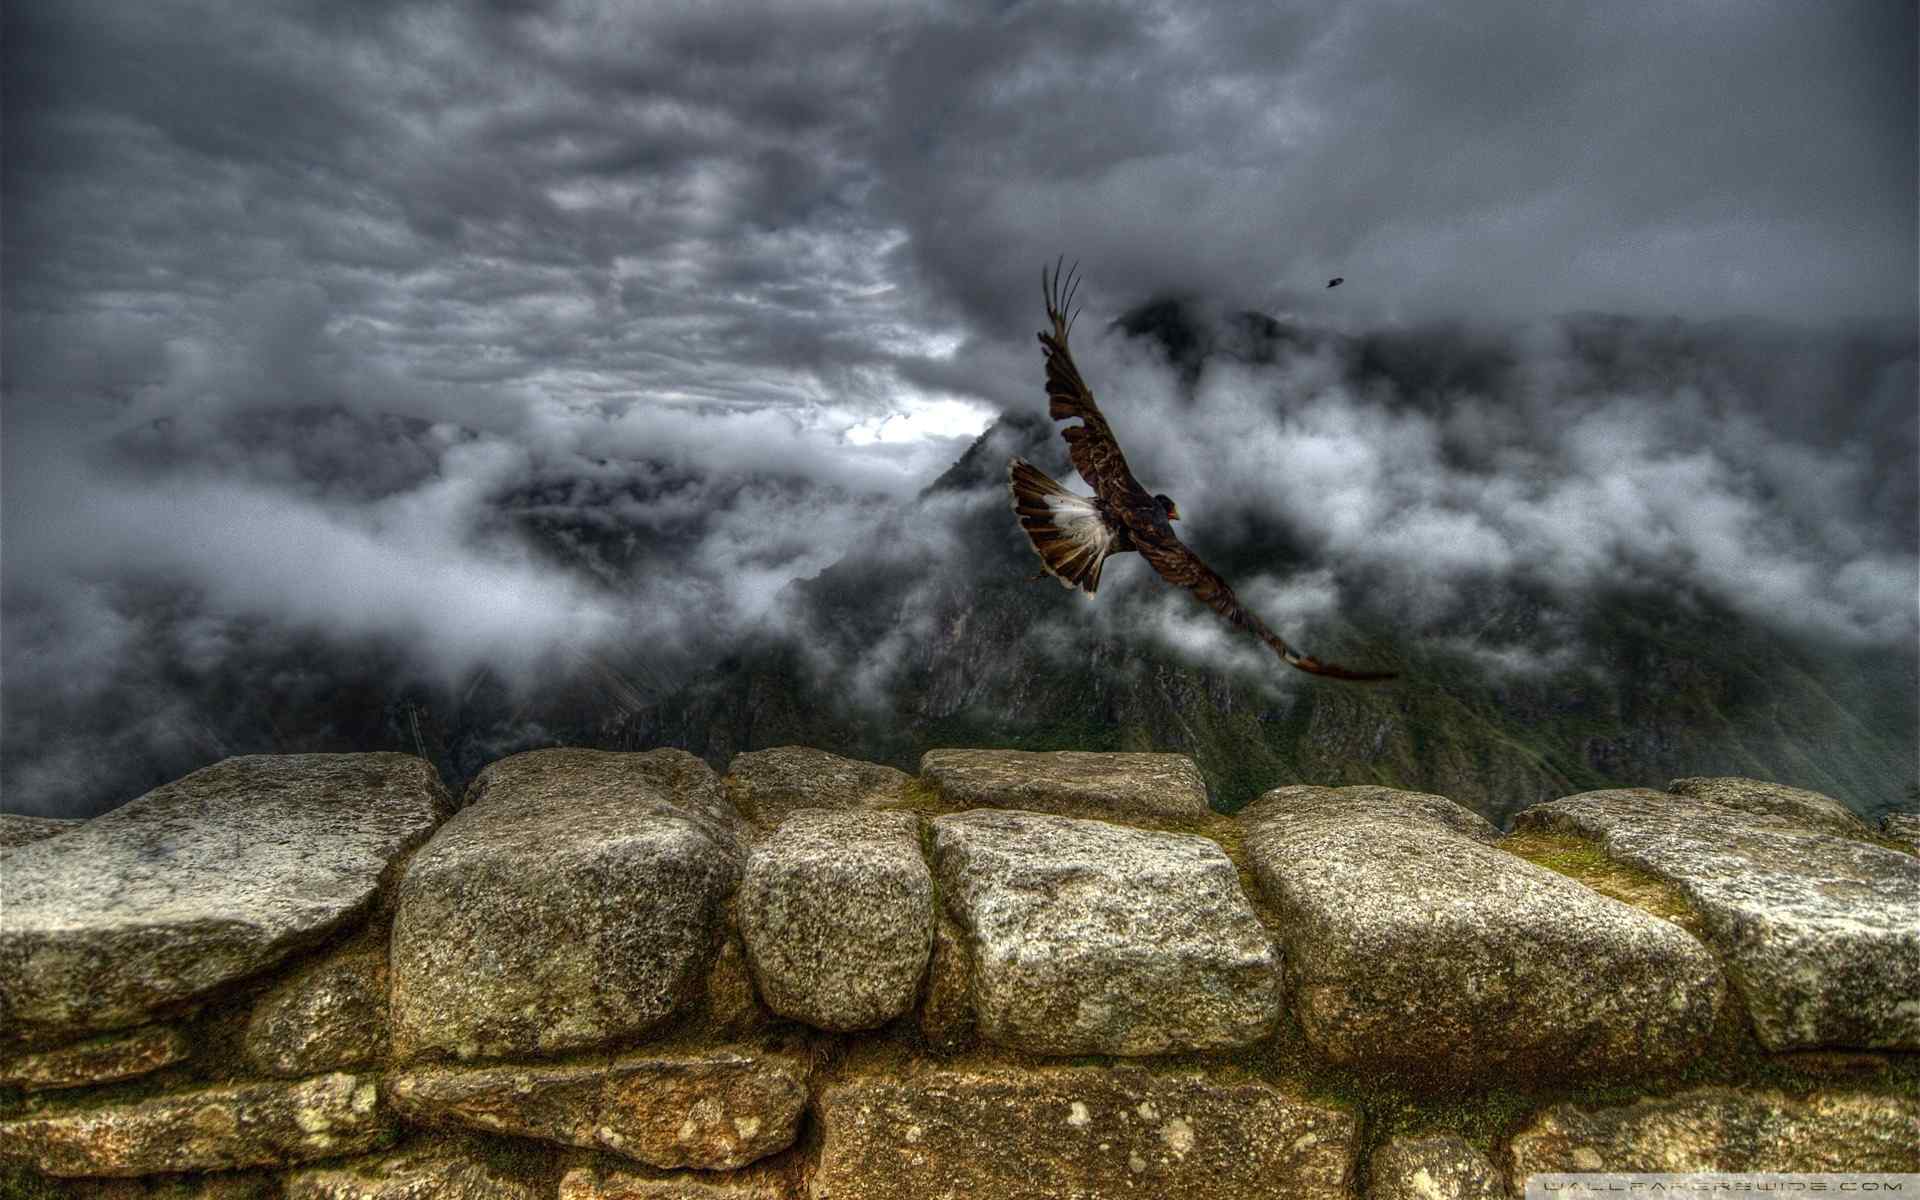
<point x="1013" y="974"/>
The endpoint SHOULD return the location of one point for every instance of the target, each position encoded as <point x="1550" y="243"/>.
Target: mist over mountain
<point x="631" y="388"/>
<point x="1693" y="593"/>
<point x="1539" y="655"/>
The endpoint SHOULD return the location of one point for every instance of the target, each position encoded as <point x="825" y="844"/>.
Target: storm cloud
<point x="497" y="336"/>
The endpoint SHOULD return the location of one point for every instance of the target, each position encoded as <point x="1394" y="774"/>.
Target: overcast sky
<point x="294" y="294"/>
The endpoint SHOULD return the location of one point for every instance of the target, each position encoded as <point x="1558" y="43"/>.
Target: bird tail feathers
<point x="1066" y="531"/>
<point x="1313" y="666"/>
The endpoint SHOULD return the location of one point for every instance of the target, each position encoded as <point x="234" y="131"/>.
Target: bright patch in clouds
<point x="918" y="420"/>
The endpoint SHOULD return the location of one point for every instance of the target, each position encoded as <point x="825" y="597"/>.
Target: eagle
<point x="1336" y="281"/>
<point x="1075" y="535"/>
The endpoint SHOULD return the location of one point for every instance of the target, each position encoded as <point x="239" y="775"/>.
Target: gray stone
<point x="1127" y="786"/>
<point x="714" y="1110"/>
<point x="1089" y="938"/>
<point x="1438" y="1167"/>
<point x="95" y="1061"/>
<point x="605" y="1182"/>
<point x="430" y="1169"/>
<point x="578" y="898"/>
<point x="836" y="911"/>
<point x="1903" y="828"/>
<point x="1820" y="933"/>
<point x="17" y="829"/>
<point x="216" y="876"/>
<point x="215" y="1129"/>
<point x="1795" y="806"/>
<point x="328" y="1014"/>
<point x="766" y="785"/>
<point x="1418" y="948"/>
<point x="1077" y="1132"/>
<point x="1368" y="802"/>
<point x="1724" y="1130"/>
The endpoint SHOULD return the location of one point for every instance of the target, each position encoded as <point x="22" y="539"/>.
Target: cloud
<point x="1516" y="161"/>
<point x="1568" y="468"/>
<point x="498" y="336"/>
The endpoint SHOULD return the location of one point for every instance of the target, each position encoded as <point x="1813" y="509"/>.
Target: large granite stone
<point x="766" y="785"/>
<point x="1436" y="1167"/>
<point x="106" y="1059"/>
<point x="1089" y="938"/>
<point x="17" y="829"/>
<point x="1415" y="946"/>
<point x="1723" y="1130"/>
<point x="1819" y="932"/>
<point x="576" y="899"/>
<point x="200" y="882"/>
<point x="1083" y="1131"/>
<point x="327" y="1015"/>
<point x="713" y="1110"/>
<point x="428" y="1169"/>
<point x="216" y="1129"/>
<point x="1128" y="786"/>
<point x="1795" y="806"/>
<point x="836" y="911"/>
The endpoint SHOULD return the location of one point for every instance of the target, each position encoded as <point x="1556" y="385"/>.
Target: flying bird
<point x="1336" y="281"/>
<point x="1075" y="535"/>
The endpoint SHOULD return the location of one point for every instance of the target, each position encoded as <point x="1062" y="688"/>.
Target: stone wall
<point x="1017" y="975"/>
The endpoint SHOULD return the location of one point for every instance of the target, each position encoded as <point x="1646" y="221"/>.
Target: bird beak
<point x="1173" y="512"/>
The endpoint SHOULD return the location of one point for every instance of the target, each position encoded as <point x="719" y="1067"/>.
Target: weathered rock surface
<point x="328" y="1014"/>
<point x="1819" y="932"/>
<point x="1440" y="1167"/>
<point x="1796" y="806"/>
<point x="946" y="1011"/>
<point x="1083" y="1131"/>
<point x="426" y="1170"/>
<point x="603" y="1182"/>
<point x="216" y="1129"/>
<point x="715" y="1109"/>
<point x="1903" y="828"/>
<point x="1417" y="947"/>
<point x="1722" y="1130"/>
<point x="767" y="785"/>
<point x="836" y="911"/>
<point x="18" y="829"/>
<point x="96" y="1060"/>
<point x="202" y="881"/>
<point x="733" y="1006"/>
<point x="1128" y="786"/>
<point x="1089" y="938"/>
<point x="577" y="898"/>
<point x="1367" y="802"/>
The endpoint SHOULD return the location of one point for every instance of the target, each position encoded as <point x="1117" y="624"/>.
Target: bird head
<point x="1169" y="507"/>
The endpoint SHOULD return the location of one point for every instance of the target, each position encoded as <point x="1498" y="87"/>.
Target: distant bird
<point x="1075" y="535"/>
<point x="1336" y="281"/>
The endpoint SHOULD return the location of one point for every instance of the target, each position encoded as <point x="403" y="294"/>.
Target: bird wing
<point x="1090" y="444"/>
<point x="1180" y="566"/>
